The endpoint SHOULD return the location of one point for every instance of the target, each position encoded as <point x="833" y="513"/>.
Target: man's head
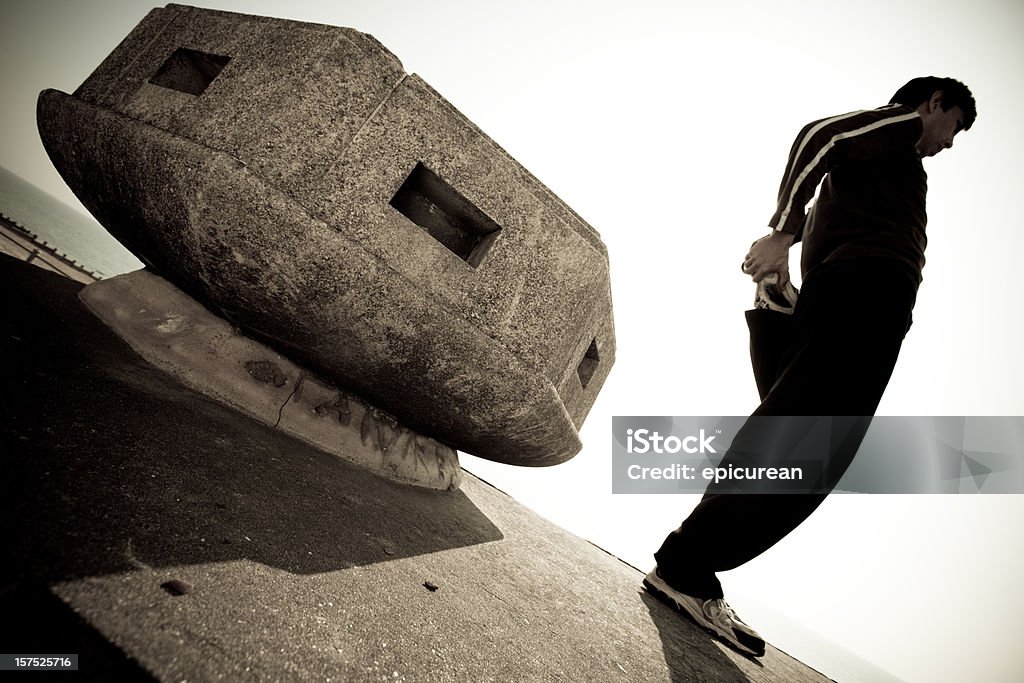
<point x="946" y="107"/>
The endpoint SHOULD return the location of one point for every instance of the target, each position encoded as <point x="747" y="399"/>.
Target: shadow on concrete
<point x="690" y="652"/>
<point x="35" y="621"/>
<point x="110" y="465"/>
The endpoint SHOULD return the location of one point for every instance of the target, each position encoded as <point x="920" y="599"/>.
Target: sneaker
<point x="774" y="298"/>
<point x="715" y="615"/>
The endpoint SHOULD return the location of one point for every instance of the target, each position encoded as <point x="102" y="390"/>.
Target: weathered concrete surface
<point x="281" y="197"/>
<point x="171" y="330"/>
<point x="296" y="565"/>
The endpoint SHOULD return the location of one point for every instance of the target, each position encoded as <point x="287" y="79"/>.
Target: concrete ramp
<point x="157" y="533"/>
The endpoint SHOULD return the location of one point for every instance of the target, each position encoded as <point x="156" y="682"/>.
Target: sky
<point x="666" y="126"/>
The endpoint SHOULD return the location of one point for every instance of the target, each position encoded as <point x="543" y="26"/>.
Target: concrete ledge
<point x="175" y="333"/>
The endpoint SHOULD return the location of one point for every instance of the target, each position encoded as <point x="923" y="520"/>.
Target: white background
<point x="666" y="126"/>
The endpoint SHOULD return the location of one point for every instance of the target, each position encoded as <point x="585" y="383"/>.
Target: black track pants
<point x="849" y="324"/>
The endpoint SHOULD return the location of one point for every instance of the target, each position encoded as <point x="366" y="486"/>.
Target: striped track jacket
<point x="872" y="200"/>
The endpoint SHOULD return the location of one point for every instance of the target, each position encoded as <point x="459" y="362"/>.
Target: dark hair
<point x="954" y="94"/>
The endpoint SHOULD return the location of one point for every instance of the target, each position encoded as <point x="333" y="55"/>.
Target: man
<point x="862" y="256"/>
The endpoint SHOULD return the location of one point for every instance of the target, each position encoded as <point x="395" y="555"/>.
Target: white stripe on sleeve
<point x="828" y="146"/>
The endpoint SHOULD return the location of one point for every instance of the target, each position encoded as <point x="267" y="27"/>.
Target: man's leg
<point x="852" y="319"/>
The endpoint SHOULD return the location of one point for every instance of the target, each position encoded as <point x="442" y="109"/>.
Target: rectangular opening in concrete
<point x="589" y="364"/>
<point x="189" y="71"/>
<point x="451" y="219"/>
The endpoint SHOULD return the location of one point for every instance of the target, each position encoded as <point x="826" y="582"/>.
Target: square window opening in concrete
<point x="189" y="71"/>
<point x="451" y="219"/>
<point x="589" y="364"/>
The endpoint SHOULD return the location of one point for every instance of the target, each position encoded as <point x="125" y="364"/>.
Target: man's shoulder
<point x="894" y="112"/>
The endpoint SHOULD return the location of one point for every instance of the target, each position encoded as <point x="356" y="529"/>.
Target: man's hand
<point x="769" y="255"/>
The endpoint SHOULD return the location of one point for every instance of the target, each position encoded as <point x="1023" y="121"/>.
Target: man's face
<point x="940" y="126"/>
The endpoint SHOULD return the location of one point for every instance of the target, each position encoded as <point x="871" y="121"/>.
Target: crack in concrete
<point x="280" y="411"/>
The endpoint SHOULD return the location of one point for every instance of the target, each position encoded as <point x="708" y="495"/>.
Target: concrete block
<point x="296" y="181"/>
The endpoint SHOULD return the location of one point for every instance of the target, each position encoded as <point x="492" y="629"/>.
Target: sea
<point x="68" y="230"/>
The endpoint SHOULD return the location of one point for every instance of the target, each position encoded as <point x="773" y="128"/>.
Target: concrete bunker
<point x="296" y="182"/>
